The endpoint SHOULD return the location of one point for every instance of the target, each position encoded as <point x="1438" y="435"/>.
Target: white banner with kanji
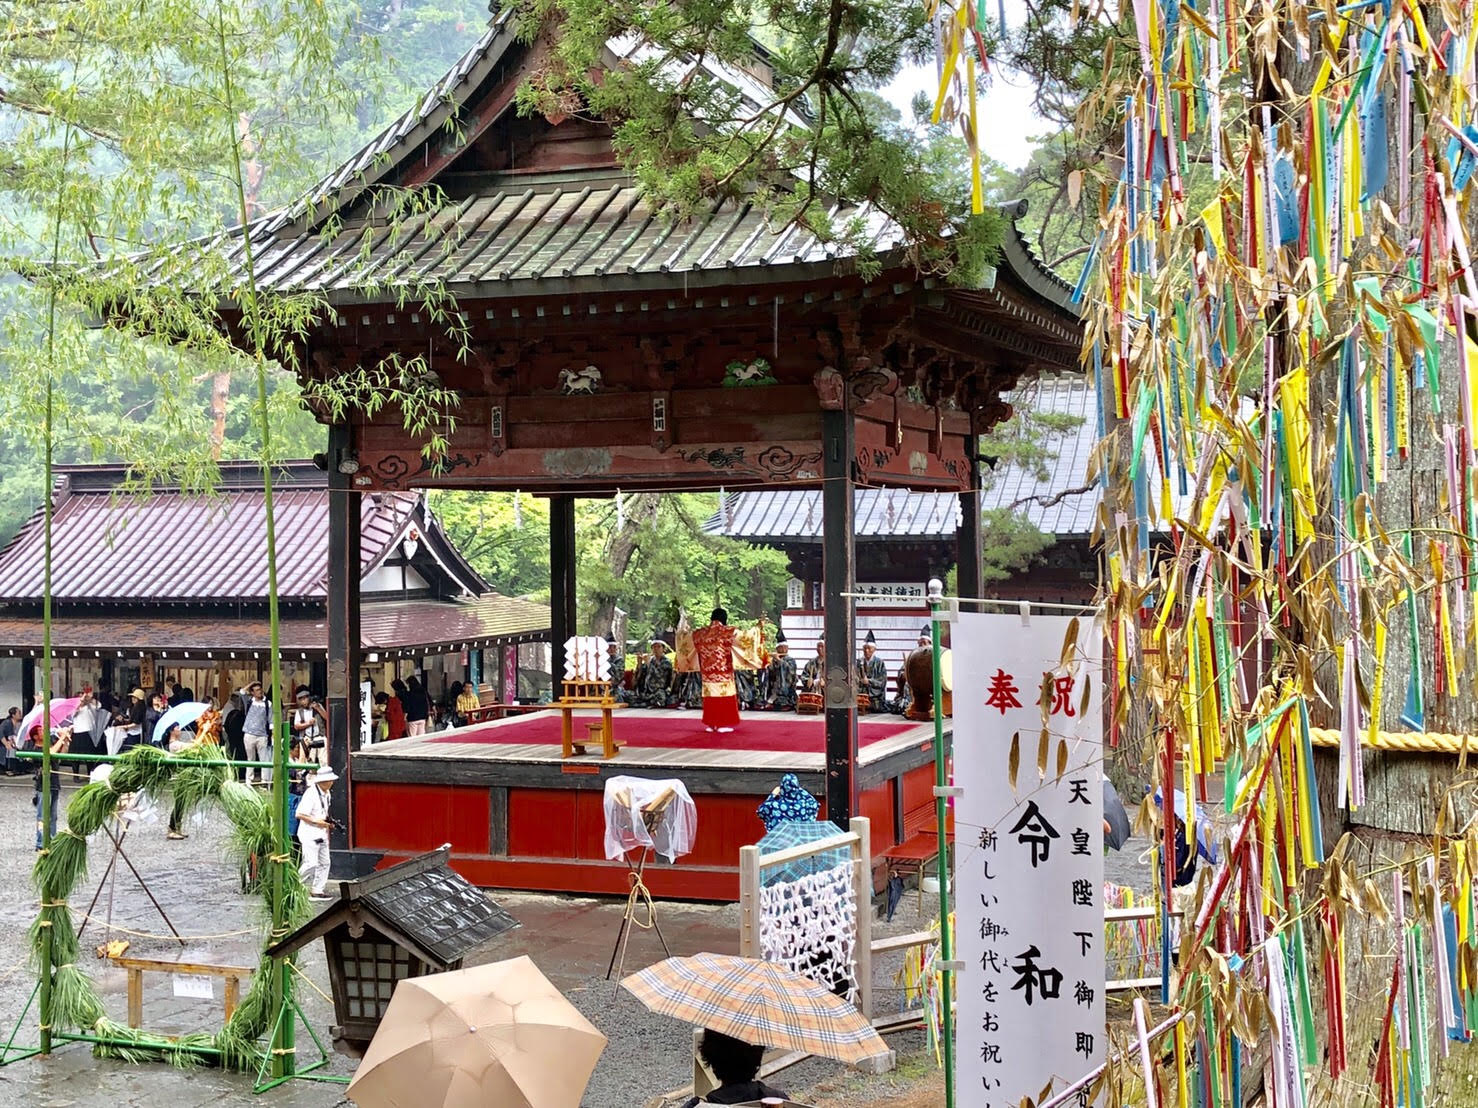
<point x="1028" y="754"/>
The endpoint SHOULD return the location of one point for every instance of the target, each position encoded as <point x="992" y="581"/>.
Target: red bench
<point x="914" y="854"/>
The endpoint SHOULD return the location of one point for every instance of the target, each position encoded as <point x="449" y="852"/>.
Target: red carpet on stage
<point x="780" y="733"/>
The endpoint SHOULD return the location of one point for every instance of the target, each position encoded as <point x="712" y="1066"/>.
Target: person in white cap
<point x="313" y="828"/>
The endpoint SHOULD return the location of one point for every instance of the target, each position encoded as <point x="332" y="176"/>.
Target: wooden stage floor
<point x="520" y="816"/>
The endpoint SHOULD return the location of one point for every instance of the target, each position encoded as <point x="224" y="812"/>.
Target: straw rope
<point x="162" y="937"/>
<point x="1413" y="742"/>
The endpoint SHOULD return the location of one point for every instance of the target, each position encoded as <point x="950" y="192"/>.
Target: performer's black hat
<point x="779" y="637"/>
<point x="871" y="638"/>
<point x="926" y="631"/>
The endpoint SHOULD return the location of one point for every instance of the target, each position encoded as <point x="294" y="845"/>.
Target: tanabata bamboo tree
<point x="134" y="292"/>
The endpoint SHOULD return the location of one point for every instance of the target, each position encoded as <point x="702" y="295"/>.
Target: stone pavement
<point x="570" y="938"/>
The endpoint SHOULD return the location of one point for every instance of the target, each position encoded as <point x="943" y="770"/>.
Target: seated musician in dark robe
<point x="653" y="685"/>
<point x="780" y="678"/>
<point x="873" y="675"/>
<point x="813" y="676"/>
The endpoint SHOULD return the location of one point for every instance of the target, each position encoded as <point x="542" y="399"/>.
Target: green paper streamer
<point x="1142" y="412"/>
<point x="1305" y="1013"/>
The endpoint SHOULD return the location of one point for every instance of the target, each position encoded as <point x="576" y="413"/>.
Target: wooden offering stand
<point x="587" y="694"/>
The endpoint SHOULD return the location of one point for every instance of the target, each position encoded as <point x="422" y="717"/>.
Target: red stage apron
<point x="715" y="647"/>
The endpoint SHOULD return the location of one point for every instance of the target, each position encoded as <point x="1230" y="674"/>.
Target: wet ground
<point x="198" y="889"/>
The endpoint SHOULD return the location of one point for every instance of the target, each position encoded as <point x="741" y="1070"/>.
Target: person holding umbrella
<point x="755" y="1002"/>
<point x="736" y="1064"/>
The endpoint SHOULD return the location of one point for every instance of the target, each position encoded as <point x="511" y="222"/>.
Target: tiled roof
<point x="521" y="234"/>
<point x="388" y="625"/>
<point x="179" y="547"/>
<point x="795" y="514"/>
<point x="1066" y="470"/>
<point x="422" y="902"/>
<point x="442" y="910"/>
<point x="575" y="226"/>
<point x="385" y="626"/>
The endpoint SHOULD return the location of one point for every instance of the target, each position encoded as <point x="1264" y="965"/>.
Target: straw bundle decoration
<point x="90" y="808"/>
<point x="197" y="778"/>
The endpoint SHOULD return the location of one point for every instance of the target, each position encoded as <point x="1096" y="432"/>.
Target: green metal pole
<point x="941" y="813"/>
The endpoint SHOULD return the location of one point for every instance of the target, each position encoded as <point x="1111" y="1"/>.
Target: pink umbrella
<point x="62" y="711"/>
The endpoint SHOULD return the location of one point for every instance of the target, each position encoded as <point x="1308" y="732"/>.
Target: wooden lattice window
<point x="371" y="970"/>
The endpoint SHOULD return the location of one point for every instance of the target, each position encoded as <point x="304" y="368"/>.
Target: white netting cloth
<point x="641" y="812"/>
<point x="810" y="926"/>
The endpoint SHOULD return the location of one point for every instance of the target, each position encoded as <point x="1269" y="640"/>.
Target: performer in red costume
<point x="715" y="645"/>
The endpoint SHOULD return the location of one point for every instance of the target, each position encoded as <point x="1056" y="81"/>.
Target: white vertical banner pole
<point x="1029" y="854"/>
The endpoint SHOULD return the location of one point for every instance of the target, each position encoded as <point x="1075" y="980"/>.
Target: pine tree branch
<point x="1056" y="498"/>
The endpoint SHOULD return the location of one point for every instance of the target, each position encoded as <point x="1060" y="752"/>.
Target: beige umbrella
<point x="498" y="1034"/>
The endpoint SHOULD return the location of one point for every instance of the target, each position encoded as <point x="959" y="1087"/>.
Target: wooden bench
<point x="137" y="967"/>
<point x="915" y="853"/>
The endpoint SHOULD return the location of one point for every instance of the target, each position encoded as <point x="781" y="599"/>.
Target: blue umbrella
<point x="1205" y="845"/>
<point x="800" y="833"/>
<point x="180" y="714"/>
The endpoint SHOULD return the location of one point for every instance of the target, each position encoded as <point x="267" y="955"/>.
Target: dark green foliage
<point x="692" y="134"/>
<point x="673" y="561"/>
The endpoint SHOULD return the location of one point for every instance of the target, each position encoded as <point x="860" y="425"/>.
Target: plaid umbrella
<point x="800" y="832"/>
<point x="759" y="1002"/>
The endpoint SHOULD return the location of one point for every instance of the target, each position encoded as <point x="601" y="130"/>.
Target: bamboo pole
<point x="284" y="1033"/>
<point x="43" y="806"/>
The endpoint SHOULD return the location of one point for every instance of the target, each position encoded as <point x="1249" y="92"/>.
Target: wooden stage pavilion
<point x="610" y="349"/>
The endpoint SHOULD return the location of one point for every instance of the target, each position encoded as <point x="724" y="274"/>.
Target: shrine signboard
<point x="1029" y="855"/>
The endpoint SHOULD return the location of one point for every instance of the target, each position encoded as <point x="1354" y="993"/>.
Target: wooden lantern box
<point x="409" y="920"/>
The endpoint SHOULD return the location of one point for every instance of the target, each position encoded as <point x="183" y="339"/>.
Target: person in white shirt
<point x="313" y="828"/>
<point x="86" y="732"/>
